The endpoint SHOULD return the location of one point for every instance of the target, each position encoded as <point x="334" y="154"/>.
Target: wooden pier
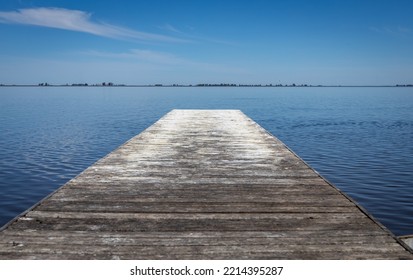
<point x="199" y="184"/>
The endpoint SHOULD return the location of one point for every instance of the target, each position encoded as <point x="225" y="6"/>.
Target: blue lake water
<point x="360" y="139"/>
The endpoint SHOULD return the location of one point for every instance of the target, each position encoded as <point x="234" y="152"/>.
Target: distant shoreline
<point x="206" y="85"/>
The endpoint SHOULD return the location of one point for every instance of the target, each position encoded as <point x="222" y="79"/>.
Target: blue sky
<point x="182" y="41"/>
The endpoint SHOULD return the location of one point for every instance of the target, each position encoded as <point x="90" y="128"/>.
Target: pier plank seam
<point x="199" y="184"/>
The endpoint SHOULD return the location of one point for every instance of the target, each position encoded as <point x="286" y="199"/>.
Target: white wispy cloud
<point x="79" y="21"/>
<point x="145" y="55"/>
<point x="188" y="33"/>
<point x="168" y="27"/>
<point x="394" y="31"/>
<point x="158" y="58"/>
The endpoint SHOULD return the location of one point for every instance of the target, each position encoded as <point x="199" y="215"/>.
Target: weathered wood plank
<point x="322" y="217"/>
<point x="289" y="251"/>
<point x="192" y="196"/>
<point x="190" y="222"/>
<point x="182" y="239"/>
<point x="14" y="245"/>
<point x="292" y="189"/>
<point x="190" y="207"/>
<point x="199" y="184"/>
<point x="297" y="201"/>
<point x="289" y="183"/>
<point x="301" y="236"/>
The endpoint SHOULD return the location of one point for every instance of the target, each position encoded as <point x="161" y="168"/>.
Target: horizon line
<point x="110" y="84"/>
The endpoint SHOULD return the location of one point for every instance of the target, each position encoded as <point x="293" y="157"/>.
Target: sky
<point x="329" y="42"/>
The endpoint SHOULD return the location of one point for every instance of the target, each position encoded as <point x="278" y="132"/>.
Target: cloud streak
<point x="166" y="59"/>
<point x="80" y="21"/>
<point x="144" y="55"/>
<point x="395" y="31"/>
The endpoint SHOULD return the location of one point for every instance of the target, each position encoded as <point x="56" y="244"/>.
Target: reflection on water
<point x="361" y="139"/>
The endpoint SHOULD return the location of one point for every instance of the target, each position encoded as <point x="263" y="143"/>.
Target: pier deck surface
<point x="199" y="184"/>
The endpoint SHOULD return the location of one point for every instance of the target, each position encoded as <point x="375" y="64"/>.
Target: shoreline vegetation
<point x="110" y="84"/>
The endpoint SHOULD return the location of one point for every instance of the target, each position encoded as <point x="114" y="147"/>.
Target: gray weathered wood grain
<point x="199" y="184"/>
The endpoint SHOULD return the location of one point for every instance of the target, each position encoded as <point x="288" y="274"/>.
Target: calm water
<point x="361" y="139"/>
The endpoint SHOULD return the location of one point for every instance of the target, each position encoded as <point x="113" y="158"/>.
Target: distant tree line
<point x="252" y="85"/>
<point x="110" y="84"/>
<point x="216" y="85"/>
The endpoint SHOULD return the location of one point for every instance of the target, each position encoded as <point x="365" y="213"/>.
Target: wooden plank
<point x="27" y="243"/>
<point x="190" y="207"/>
<point x="324" y="235"/>
<point x="120" y="225"/>
<point x="289" y="251"/>
<point x="287" y="189"/>
<point x="199" y="184"/>
<point x="192" y="196"/>
<point x="289" y="183"/>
